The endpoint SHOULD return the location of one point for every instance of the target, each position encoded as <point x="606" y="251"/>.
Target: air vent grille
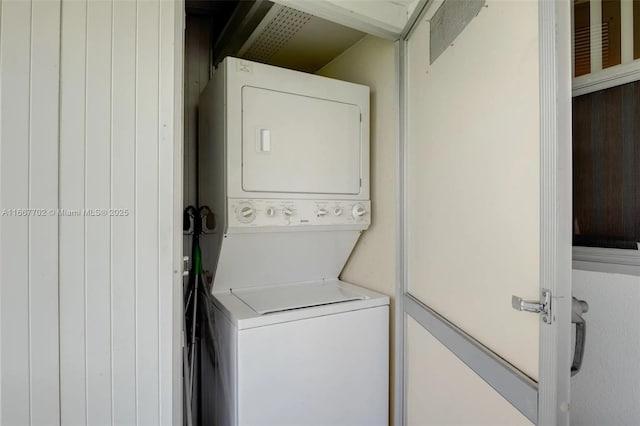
<point x="276" y="34"/>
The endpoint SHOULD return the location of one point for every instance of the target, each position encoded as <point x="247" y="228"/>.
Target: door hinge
<point x="543" y="306"/>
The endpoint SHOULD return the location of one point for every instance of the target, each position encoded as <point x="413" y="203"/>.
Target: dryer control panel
<point x="254" y="213"/>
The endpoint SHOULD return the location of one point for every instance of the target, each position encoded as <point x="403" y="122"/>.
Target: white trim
<point x="399" y="364"/>
<point x="555" y="208"/>
<point x="417" y="14"/>
<point x="607" y="78"/>
<point x="401" y="317"/>
<point x="614" y="261"/>
<point x="178" y="178"/>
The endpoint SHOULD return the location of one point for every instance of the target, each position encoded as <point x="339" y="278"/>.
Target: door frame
<point x="545" y="402"/>
<point x="175" y="97"/>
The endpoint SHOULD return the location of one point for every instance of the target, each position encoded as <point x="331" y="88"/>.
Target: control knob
<point x="245" y="213"/>
<point x="322" y="212"/>
<point x="358" y="211"/>
<point x="270" y="211"/>
<point x="287" y="211"/>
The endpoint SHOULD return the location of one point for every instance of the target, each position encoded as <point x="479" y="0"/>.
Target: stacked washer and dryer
<point x="284" y="166"/>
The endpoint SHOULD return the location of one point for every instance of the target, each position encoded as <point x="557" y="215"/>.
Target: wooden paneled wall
<point x="29" y="111"/>
<point x="90" y="118"/>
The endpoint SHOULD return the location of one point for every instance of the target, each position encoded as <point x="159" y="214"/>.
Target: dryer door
<point x="294" y="143"/>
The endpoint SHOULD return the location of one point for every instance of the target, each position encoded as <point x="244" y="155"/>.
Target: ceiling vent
<point x="284" y="37"/>
<point x="273" y="33"/>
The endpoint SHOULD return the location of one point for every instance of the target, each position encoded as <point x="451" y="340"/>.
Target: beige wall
<point x="473" y="179"/>
<point x="443" y="391"/>
<point x="371" y="61"/>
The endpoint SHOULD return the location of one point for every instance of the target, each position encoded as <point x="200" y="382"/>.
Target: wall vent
<point x="448" y="22"/>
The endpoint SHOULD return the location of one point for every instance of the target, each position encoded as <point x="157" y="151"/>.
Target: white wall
<point x="91" y="117"/>
<point x="607" y="390"/>
<point x="371" y="61"/>
<point x="29" y="70"/>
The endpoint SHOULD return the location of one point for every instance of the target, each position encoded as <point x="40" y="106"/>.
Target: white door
<point x="487" y="214"/>
<point x="286" y="137"/>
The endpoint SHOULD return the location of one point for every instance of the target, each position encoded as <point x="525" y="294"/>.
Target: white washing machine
<point x="284" y="166"/>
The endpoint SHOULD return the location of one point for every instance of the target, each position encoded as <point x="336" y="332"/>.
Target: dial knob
<point x="358" y="211"/>
<point x="245" y="213"/>
<point x="287" y="211"/>
<point x="322" y="212"/>
<point x="270" y="211"/>
<point x="337" y="211"/>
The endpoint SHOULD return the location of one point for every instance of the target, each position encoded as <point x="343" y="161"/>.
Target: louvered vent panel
<point x="582" y="48"/>
<point x="276" y="34"/>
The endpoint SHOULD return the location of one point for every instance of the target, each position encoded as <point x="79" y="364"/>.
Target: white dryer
<point x="284" y="166"/>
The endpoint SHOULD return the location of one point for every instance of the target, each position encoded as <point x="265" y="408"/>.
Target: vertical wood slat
<point x="596" y="148"/>
<point x="626" y="30"/>
<point x="97" y="196"/>
<point x="110" y="332"/>
<point x="122" y="227"/>
<point x="581" y="39"/>
<point x="630" y="146"/>
<point x="43" y="194"/>
<point x="634" y="186"/>
<point x="146" y="208"/>
<point x="611" y="33"/>
<point x="582" y="167"/>
<point x="73" y="380"/>
<point x="612" y="160"/>
<point x="1" y="243"/>
<point x="169" y="209"/>
<point x="15" y="374"/>
<point x="596" y="34"/>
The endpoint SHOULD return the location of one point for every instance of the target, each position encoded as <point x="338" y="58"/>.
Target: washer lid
<point x="295" y="296"/>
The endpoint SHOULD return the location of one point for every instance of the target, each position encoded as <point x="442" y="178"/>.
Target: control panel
<point x="289" y="213"/>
